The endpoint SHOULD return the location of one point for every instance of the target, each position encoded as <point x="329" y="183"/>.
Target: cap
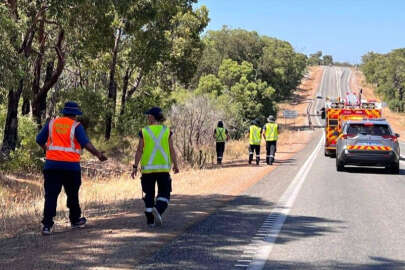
<point x="155" y="111"/>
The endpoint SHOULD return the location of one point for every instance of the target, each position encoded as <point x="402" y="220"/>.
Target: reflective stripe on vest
<point x="271" y="132"/>
<point x="152" y="164"/>
<point x="254" y="135"/>
<point x="70" y="149"/>
<point x="220" y="134"/>
<point x="64" y="147"/>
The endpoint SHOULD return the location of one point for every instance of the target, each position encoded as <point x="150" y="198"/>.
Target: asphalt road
<point x="303" y="215"/>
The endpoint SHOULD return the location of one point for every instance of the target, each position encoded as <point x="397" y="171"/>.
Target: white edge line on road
<point x="282" y="210"/>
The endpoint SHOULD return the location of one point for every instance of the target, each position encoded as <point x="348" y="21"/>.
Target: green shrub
<point x="27" y="156"/>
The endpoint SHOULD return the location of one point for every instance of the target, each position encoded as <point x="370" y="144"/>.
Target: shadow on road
<point x="223" y="226"/>
<point x="298" y="227"/>
<point x="377" y="263"/>
<point x="218" y="242"/>
<point x="371" y="170"/>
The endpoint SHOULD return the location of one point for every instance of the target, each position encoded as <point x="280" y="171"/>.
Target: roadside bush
<point x="193" y="123"/>
<point x="27" y="156"/>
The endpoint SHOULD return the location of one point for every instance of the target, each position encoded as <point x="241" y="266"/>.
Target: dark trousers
<point x="54" y="180"/>
<point x="271" y="148"/>
<point x="252" y="149"/>
<point x="164" y="184"/>
<point x="220" y="151"/>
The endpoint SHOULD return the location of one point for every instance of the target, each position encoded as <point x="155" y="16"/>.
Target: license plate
<point x="369" y="144"/>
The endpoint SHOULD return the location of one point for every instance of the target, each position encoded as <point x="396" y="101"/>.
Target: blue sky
<point x="346" y="29"/>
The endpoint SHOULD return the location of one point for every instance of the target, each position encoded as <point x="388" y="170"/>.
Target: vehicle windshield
<point x="375" y="130"/>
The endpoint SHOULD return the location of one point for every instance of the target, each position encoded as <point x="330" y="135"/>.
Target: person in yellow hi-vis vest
<point x="254" y="141"/>
<point x="220" y="135"/>
<point x="270" y="134"/>
<point x="156" y="153"/>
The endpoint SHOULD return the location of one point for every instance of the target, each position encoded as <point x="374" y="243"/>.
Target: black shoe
<point x="81" y="223"/>
<point x="150" y="219"/>
<point x="46" y="230"/>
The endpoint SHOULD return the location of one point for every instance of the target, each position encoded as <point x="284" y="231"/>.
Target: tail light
<point x="390" y="137"/>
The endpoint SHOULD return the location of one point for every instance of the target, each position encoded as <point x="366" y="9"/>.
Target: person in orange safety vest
<point x="63" y="139"/>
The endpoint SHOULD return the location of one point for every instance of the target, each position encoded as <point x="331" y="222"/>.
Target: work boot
<point x="267" y="160"/>
<point x="46" y="230"/>
<point x="80" y="223"/>
<point x="150" y="219"/>
<point x="257" y="160"/>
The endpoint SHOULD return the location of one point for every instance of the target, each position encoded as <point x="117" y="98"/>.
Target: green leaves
<point x="387" y="72"/>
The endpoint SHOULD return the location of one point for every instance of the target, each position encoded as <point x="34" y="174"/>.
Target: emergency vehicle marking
<point x="369" y="147"/>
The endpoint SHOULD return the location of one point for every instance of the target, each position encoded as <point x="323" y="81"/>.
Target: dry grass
<point x="21" y="208"/>
<point x="21" y="201"/>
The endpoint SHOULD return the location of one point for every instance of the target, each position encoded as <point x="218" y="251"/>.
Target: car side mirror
<point x="397" y="135"/>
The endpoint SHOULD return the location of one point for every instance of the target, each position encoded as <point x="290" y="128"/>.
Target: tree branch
<point x="26" y="46"/>
<point x="12" y="5"/>
<point x="59" y="67"/>
<point x="135" y="87"/>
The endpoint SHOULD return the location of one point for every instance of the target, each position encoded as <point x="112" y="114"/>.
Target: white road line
<point x="338" y="79"/>
<point x="321" y="93"/>
<point x="282" y="210"/>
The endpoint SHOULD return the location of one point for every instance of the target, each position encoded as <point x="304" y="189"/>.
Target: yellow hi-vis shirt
<point x="156" y="152"/>
<point x="271" y="133"/>
<point x="220" y="134"/>
<point x="254" y="135"/>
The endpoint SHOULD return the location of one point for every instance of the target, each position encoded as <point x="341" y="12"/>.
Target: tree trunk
<point x="125" y="82"/>
<point x="130" y="92"/>
<point x="112" y="88"/>
<point x="11" y="126"/>
<point x="36" y="89"/>
<point x="51" y="76"/>
<point x="39" y="102"/>
<point x="25" y="109"/>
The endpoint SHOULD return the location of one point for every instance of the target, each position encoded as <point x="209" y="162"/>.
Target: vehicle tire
<point x="340" y="166"/>
<point x="393" y="168"/>
<point x="327" y="154"/>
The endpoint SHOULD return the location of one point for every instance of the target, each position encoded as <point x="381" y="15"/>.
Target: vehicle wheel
<point x="327" y="154"/>
<point x="393" y="168"/>
<point x="340" y="166"/>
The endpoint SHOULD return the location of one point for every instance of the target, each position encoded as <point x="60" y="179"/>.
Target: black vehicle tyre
<point x="394" y="168"/>
<point x="327" y="154"/>
<point x="340" y="166"/>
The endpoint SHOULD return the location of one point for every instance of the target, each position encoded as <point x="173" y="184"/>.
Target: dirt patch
<point x="117" y="237"/>
<point x="396" y="120"/>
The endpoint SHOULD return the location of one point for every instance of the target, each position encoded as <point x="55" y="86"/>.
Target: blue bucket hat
<point x="71" y="108"/>
<point x="155" y="111"/>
